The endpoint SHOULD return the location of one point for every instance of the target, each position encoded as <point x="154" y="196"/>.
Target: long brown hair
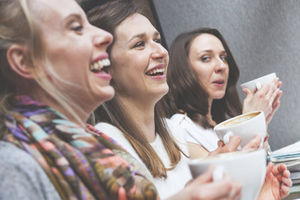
<point x="108" y="17"/>
<point x="185" y="92"/>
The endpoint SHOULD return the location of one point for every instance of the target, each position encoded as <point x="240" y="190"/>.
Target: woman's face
<point x="76" y="51"/>
<point x="139" y="61"/>
<point x="208" y="59"/>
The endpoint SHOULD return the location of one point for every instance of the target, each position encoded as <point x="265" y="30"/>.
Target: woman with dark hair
<point x="202" y="78"/>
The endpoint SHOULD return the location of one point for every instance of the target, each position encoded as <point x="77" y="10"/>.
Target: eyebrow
<point x="209" y="51"/>
<point x="142" y="35"/>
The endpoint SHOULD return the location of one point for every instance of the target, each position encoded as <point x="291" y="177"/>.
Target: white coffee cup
<point x="246" y="126"/>
<point x="248" y="168"/>
<point x="259" y="82"/>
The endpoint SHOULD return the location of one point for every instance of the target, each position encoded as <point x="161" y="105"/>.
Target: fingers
<point x="284" y="191"/>
<point x="232" y="145"/>
<point x="204" y="178"/>
<point x="247" y="92"/>
<point x="272" y="91"/>
<point x="224" y="189"/>
<point x="253" y="144"/>
<point x="279" y="169"/>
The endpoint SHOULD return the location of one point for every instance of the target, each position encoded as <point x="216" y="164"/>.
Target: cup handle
<point x="218" y="173"/>
<point x="258" y="85"/>
<point x="227" y="136"/>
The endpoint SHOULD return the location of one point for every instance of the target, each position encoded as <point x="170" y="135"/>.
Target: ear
<point x="18" y="59"/>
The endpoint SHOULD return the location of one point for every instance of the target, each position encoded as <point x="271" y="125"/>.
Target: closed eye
<point x="76" y="27"/>
<point x="139" y="44"/>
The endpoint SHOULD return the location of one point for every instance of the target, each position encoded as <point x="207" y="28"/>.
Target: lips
<point x="219" y="82"/>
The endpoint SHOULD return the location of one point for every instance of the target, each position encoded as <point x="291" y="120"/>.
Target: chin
<point x="161" y="92"/>
<point x="105" y="94"/>
<point x="219" y="96"/>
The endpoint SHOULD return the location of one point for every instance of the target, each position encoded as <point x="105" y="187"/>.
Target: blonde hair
<point x="18" y="26"/>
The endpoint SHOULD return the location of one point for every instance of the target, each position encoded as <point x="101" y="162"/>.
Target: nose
<point x="220" y="65"/>
<point x="102" y="38"/>
<point x="159" y="52"/>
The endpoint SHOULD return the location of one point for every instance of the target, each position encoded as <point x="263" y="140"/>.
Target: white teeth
<point x="98" y="66"/>
<point x="156" y="71"/>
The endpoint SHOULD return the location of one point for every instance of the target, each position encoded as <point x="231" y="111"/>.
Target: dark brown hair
<point x="108" y="17"/>
<point x="185" y="92"/>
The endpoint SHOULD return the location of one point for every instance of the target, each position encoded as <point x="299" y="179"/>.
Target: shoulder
<point x="21" y="176"/>
<point x="112" y="131"/>
<point x="106" y="127"/>
<point x="116" y="134"/>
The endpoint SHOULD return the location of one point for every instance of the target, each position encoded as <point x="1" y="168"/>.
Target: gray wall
<point x="264" y="36"/>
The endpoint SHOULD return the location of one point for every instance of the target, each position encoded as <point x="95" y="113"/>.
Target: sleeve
<point x="21" y="176"/>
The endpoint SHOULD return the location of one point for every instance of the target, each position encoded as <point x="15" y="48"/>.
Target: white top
<point x="195" y="133"/>
<point x="177" y="177"/>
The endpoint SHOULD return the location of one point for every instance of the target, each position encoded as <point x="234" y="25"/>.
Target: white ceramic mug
<point x="259" y="82"/>
<point x="246" y="126"/>
<point x="249" y="168"/>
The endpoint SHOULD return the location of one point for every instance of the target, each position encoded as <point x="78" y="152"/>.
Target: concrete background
<point x="264" y="36"/>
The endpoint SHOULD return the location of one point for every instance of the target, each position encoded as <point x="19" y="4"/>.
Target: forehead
<point x="52" y="11"/>
<point x="133" y="25"/>
<point x="206" y="41"/>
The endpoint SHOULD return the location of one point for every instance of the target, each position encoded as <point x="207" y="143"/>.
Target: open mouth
<point x="158" y="71"/>
<point x="219" y="82"/>
<point x="100" y="65"/>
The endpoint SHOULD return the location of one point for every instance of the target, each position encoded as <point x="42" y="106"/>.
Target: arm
<point x="265" y="99"/>
<point x="197" y="151"/>
<point x="21" y="176"/>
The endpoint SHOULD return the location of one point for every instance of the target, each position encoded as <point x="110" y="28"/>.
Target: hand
<point x="277" y="183"/>
<point x="253" y="144"/>
<point x="203" y="188"/>
<point x="232" y="145"/>
<point x="265" y="99"/>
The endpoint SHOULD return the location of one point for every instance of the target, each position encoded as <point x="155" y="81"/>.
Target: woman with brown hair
<point x="202" y="78"/>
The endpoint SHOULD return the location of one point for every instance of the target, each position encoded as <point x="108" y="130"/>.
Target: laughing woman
<point x="50" y="82"/>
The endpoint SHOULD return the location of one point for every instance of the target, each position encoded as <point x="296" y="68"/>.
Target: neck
<point x="81" y="116"/>
<point x="209" y="116"/>
<point x="143" y="114"/>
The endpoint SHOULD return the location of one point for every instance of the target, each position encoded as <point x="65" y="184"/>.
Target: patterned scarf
<point x="79" y="164"/>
